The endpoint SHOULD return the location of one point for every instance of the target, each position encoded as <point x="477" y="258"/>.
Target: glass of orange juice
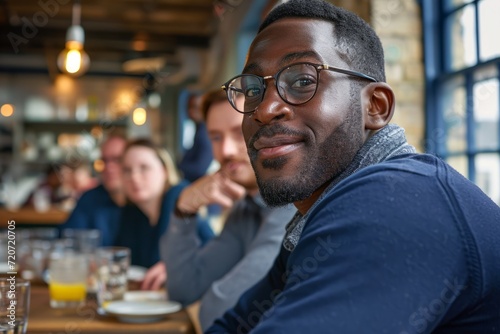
<point x="68" y="272"/>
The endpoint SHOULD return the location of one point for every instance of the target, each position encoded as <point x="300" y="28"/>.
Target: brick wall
<point x="360" y="7"/>
<point x="398" y="23"/>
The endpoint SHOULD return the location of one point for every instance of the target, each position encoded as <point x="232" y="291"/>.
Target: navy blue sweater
<point x="405" y="246"/>
<point x="96" y="210"/>
<point x="198" y="158"/>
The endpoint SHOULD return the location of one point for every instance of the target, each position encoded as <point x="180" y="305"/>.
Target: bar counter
<point x="29" y="216"/>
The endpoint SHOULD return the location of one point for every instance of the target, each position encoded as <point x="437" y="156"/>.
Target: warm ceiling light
<point x="139" y="45"/>
<point x="99" y="166"/>
<point x="7" y="110"/>
<point x="140" y="42"/>
<point x="139" y="116"/>
<point x="73" y="59"/>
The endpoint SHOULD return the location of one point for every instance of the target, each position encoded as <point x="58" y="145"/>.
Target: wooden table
<point x="44" y="319"/>
<point x="29" y="216"/>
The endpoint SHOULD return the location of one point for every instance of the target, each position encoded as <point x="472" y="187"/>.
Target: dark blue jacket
<point x="198" y="158"/>
<point x="143" y="239"/>
<point x="96" y="210"/>
<point x="405" y="246"/>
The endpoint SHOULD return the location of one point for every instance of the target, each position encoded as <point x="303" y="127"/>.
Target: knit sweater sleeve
<point x="254" y="302"/>
<point x="191" y="269"/>
<point x="224" y="293"/>
<point x="382" y="253"/>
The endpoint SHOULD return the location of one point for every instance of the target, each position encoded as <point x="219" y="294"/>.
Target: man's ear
<point x="377" y="103"/>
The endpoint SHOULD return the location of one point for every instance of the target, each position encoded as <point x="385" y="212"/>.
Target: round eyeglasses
<point x="296" y="84"/>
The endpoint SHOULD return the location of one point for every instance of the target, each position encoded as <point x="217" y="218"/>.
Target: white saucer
<point x="145" y="295"/>
<point x="141" y="311"/>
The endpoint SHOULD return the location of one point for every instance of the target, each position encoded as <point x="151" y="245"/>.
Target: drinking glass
<point x="112" y="264"/>
<point x="68" y="272"/>
<point x="33" y="258"/>
<point x="4" y="242"/>
<point x="33" y="250"/>
<point x="14" y="305"/>
<point x="86" y="241"/>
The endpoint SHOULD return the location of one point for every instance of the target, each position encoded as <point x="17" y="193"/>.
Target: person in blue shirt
<point x="152" y="185"/>
<point x="385" y="240"/>
<point x="198" y="157"/>
<point x="100" y="208"/>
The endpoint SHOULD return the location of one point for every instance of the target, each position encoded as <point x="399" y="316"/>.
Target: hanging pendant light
<point x="73" y="60"/>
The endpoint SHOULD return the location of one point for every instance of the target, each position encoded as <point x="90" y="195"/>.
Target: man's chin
<point x="276" y="191"/>
<point x="274" y="170"/>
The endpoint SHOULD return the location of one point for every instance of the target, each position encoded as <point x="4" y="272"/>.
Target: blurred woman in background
<point x="152" y="186"/>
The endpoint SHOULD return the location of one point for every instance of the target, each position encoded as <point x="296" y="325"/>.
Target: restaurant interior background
<point x="442" y="59"/>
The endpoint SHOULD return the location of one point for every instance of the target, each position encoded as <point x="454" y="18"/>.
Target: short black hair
<point x="358" y="43"/>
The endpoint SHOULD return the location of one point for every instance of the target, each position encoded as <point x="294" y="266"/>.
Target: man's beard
<point x="323" y="163"/>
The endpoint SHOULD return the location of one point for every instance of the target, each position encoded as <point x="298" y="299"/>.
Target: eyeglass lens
<point x="296" y="85"/>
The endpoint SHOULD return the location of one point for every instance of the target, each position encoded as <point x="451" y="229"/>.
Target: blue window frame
<point x="462" y="56"/>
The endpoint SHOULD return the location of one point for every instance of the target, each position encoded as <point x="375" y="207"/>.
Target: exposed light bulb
<point x="73" y="59"/>
<point x="7" y="110"/>
<point x="154" y="100"/>
<point x="139" y="116"/>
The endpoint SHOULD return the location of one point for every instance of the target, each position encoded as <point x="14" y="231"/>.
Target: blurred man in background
<point x="99" y="208"/>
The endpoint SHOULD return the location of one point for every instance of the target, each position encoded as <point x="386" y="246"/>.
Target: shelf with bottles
<point x="73" y="126"/>
<point x="54" y="141"/>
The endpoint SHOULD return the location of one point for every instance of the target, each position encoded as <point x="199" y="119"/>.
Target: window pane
<point x="488" y="175"/>
<point x="488" y="29"/>
<point x="460" y="33"/>
<point x="460" y="163"/>
<point x="485" y="73"/>
<point x="450" y="4"/>
<point x="486" y="114"/>
<point x="454" y="115"/>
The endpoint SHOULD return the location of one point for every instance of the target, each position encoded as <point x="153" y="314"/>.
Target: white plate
<point x="141" y="311"/>
<point x="144" y="295"/>
<point x="136" y="273"/>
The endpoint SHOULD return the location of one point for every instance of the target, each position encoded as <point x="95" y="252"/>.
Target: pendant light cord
<point x="77" y="11"/>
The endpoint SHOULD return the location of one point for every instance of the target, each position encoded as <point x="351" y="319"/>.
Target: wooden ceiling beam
<point x="111" y="27"/>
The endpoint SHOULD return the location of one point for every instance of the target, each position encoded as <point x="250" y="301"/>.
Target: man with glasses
<point x="99" y="208"/>
<point x="385" y="240"/>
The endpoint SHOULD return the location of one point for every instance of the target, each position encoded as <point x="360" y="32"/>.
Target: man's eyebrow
<point x="285" y="60"/>
<point x="297" y="56"/>
<point x="251" y="68"/>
